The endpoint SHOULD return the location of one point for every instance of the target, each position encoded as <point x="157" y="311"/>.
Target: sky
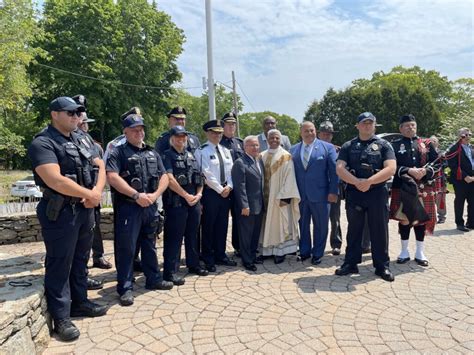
<point x="287" y="53"/>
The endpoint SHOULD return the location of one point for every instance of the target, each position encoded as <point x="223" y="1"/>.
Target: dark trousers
<point x="249" y="234"/>
<point x="318" y="212"/>
<point x="97" y="243"/>
<point x="235" y="229"/>
<point x="215" y="220"/>
<point x="182" y="221"/>
<point x="374" y="205"/>
<point x="135" y="227"/>
<point x="68" y="243"/>
<point x="463" y="192"/>
<point x="335" y="218"/>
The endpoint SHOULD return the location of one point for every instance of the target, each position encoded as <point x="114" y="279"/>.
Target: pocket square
<point x="320" y="158"/>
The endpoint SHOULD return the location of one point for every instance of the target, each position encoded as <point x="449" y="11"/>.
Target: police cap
<point x="214" y="125"/>
<point x="133" y="111"/>
<point x="229" y="117"/>
<point x="80" y="100"/>
<point x="178" y="112"/>
<point x="65" y="103"/>
<point x="366" y="116"/>
<point x="132" y="121"/>
<point x="176" y="130"/>
<point x="326" y="126"/>
<point x="407" y="118"/>
<point x="86" y="119"/>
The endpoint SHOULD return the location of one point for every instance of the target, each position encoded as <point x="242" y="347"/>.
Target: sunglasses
<point x="72" y="113"/>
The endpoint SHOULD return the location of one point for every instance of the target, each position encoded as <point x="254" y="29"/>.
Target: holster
<point x="55" y="205"/>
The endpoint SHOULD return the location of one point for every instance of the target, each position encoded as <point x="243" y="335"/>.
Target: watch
<point x="135" y="196"/>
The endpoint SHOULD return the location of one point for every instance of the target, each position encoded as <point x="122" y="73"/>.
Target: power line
<point x="243" y="92"/>
<point x="112" y="81"/>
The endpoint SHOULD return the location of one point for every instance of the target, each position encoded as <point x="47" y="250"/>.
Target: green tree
<point x="18" y="32"/>
<point x="115" y="42"/>
<point x="251" y="123"/>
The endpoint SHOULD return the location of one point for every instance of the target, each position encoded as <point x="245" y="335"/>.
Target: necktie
<point x="257" y="166"/>
<point x="221" y="165"/>
<point x="306" y="156"/>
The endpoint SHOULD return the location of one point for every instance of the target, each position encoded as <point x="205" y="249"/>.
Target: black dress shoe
<point x="422" y="262"/>
<point x="177" y="281"/>
<point x="385" y="274"/>
<point x="127" y="298"/>
<point x="66" y="330"/>
<point x="88" y="309"/>
<point x="304" y="257"/>
<point x="278" y="259"/>
<point x="347" y="269"/>
<point x="462" y="228"/>
<point x="161" y="285"/>
<point x="336" y="251"/>
<point x="93" y="284"/>
<point x="226" y="262"/>
<point x="101" y="263"/>
<point x="198" y="270"/>
<point x="315" y="260"/>
<point x="211" y="268"/>
<point x="250" y="267"/>
<point x="402" y="260"/>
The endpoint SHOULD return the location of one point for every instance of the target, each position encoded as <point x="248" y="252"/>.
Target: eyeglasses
<point x="466" y="135"/>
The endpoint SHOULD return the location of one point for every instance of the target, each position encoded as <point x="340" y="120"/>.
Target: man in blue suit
<point x="315" y="169"/>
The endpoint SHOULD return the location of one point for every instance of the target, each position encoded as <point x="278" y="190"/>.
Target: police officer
<point x="216" y="165"/>
<point x="176" y="117"/>
<point x="182" y="207"/>
<point x="136" y="173"/>
<point x="413" y="155"/>
<point x="72" y="180"/>
<point x="365" y="163"/>
<point x="98" y="259"/>
<point x="235" y="145"/>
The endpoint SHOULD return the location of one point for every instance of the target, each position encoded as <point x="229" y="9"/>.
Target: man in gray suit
<point x="269" y="123"/>
<point x="247" y="177"/>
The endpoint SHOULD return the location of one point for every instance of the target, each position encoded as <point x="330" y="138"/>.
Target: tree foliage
<point x="116" y="42"/>
<point x="252" y="124"/>
<point x="18" y="31"/>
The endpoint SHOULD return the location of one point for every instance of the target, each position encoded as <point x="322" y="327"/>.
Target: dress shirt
<point x="207" y="158"/>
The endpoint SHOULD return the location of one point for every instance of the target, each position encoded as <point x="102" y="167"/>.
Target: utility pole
<point x="210" y="68"/>
<point x="236" y="108"/>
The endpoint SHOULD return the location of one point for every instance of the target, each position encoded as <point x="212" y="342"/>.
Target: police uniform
<point x="141" y="168"/>
<point x="67" y="226"/>
<point x="181" y="218"/>
<point x="216" y="165"/>
<point x="414" y="152"/>
<point x="236" y="147"/>
<point x="364" y="159"/>
<point x="163" y="142"/>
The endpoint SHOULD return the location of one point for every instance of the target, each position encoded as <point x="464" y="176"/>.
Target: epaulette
<point x="164" y="134"/>
<point x="239" y="139"/>
<point x="203" y="146"/>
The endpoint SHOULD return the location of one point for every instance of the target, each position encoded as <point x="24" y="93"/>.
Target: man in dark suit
<point x="247" y="176"/>
<point x="461" y="163"/>
<point x="315" y="169"/>
<point x="269" y="123"/>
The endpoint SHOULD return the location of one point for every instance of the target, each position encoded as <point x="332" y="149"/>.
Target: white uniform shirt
<point x="207" y="158"/>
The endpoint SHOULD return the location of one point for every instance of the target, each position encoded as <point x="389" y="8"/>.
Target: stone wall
<point x="25" y="227"/>
<point x="24" y="321"/>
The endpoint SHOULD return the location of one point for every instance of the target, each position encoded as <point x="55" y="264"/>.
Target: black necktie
<point x="221" y="165"/>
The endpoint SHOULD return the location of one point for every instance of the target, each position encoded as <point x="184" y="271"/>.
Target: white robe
<point x="280" y="232"/>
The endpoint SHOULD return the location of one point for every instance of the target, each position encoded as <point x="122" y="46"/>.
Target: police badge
<point x="402" y="149"/>
<point x="375" y="147"/>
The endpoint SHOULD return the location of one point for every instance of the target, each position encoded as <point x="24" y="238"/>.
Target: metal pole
<point x="210" y="68"/>
<point x="236" y="108"/>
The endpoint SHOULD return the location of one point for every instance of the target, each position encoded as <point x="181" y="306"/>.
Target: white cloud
<point x="287" y="53"/>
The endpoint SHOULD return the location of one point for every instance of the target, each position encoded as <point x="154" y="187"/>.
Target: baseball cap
<point x="132" y="121"/>
<point x="65" y="103"/>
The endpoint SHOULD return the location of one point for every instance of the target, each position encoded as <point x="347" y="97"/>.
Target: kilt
<point x="427" y="196"/>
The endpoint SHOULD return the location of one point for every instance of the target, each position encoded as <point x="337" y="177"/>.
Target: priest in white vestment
<point x="280" y="233"/>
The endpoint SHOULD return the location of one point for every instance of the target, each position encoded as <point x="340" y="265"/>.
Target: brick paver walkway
<point x="294" y="307"/>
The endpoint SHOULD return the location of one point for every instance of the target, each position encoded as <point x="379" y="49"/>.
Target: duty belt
<point x="48" y="193"/>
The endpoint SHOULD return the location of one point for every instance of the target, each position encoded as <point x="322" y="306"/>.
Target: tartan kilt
<point x="429" y="203"/>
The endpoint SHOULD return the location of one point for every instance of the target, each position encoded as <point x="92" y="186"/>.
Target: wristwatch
<point x="135" y="196"/>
